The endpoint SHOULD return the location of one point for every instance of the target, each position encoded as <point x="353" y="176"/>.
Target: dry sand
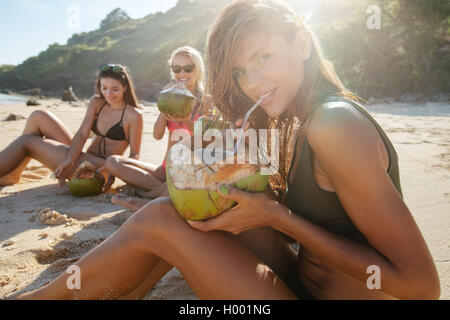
<point x="43" y="229"/>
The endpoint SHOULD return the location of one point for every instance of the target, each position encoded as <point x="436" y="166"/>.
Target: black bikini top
<point x="116" y="132"/>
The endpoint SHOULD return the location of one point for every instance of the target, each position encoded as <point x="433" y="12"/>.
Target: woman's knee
<point x="25" y="141"/>
<point x="113" y="163"/>
<point x="157" y="220"/>
<point x="36" y="118"/>
<point x="39" y="116"/>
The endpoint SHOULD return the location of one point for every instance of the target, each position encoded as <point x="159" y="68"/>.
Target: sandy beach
<point x="44" y="229"/>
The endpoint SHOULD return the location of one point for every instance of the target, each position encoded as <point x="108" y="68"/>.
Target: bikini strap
<point x="123" y="112"/>
<point x="102" y="140"/>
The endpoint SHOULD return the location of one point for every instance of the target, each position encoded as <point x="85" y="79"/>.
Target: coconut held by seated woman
<point x="192" y="180"/>
<point x="85" y="181"/>
<point x="176" y="101"/>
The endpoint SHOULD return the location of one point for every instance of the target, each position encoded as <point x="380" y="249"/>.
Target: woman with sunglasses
<point x="113" y="115"/>
<point x="341" y="199"/>
<point x="186" y="65"/>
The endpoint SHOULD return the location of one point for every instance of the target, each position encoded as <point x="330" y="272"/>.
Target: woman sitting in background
<point x="112" y="114"/>
<point x="186" y="66"/>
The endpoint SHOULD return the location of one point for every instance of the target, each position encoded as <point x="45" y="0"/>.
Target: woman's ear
<point x="304" y="41"/>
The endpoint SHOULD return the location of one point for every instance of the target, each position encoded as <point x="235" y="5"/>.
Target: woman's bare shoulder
<point x="95" y="102"/>
<point x="340" y="122"/>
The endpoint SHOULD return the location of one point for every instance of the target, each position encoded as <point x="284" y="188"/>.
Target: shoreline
<point x="410" y="99"/>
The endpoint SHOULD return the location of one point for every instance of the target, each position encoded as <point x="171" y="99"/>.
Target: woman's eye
<point x="239" y="74"/>
<point x="264" y="58"/>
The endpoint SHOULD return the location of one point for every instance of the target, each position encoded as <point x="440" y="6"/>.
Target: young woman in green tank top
<point x="338" y="195"/>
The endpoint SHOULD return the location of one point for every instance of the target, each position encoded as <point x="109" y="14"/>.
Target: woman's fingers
<point x="217" y="223"/>
<point x="231" y="193"/>
<point x="109" y="183"/>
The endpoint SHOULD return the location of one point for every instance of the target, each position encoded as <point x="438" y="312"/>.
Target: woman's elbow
<point x="424" y="288"/>
<point x="157" y="135"/>
<point x="429" y="290"/>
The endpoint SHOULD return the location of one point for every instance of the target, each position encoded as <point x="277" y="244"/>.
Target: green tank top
<point x="323" y="208"/>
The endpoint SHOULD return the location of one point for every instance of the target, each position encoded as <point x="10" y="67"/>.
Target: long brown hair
<point x="126" y="80"/>
<point x="239" y="19"/>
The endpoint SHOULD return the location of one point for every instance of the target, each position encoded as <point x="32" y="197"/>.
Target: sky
<point x="28" y="27"/>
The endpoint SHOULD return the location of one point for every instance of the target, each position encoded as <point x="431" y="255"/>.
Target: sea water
<point x="7" y="99"/>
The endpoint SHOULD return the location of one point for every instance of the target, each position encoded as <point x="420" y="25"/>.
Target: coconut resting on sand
<point x="85" y="181"/>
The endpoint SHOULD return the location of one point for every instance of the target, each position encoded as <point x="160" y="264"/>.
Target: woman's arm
<point x="136" y="130"/>
<point x="79" y="139"/>
<point x="82" y="134"/>
<point x="161" y="123"/>
<point x="160" y="127"/>
<point x="348" y="152"/>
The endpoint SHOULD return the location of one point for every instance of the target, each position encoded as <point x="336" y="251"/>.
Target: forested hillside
<point x="408" y="54"/>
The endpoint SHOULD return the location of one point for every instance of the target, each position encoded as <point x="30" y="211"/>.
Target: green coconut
<point x="176" y="101"/>
<point x="86" y="187"/>
<point x="192" y="187"/>
<point x="85" y="181"/>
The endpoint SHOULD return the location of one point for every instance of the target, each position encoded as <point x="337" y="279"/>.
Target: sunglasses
<point x="111" y="67"/>
<point x="188" y="69"/>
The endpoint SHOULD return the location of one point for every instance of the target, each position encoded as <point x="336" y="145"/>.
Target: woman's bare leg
<point x="41" y="123"/>
<point x="159" y="270"/>
<point x="132" y="203"/>
<point x="133" y="172"/>
<point x="48" y="152"/>
<point x="215" y="265"/>
<point x="266" y="243"/>
<point x="147" y="178"/>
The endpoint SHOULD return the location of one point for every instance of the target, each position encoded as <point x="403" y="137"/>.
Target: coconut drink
<point x="176" y="101"/>
<point x="192" y="180"/>
<point x="85" y="181"/>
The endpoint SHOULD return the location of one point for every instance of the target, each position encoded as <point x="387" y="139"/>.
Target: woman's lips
<point x="268" y="99"/>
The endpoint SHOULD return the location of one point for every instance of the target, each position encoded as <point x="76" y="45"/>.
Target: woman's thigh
<point x="215" y="264"/>
<point x="137" y="173"/>
<point x="148" y="167"/>
<point x="52" y="153"/>
<point x="45" y="124"/>
<point x="271" y="247"/>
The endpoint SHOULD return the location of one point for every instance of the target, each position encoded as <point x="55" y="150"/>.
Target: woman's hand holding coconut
<point x="252" y="211"/>
<point x="187" y="119"/>
<point x="109" y="182"/>
<point x="63" y="170"/>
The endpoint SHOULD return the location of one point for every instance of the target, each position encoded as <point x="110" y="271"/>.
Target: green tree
<point x="115" y="18"/>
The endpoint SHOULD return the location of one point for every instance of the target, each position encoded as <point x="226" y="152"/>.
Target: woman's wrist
<point x="277" y="215"/>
